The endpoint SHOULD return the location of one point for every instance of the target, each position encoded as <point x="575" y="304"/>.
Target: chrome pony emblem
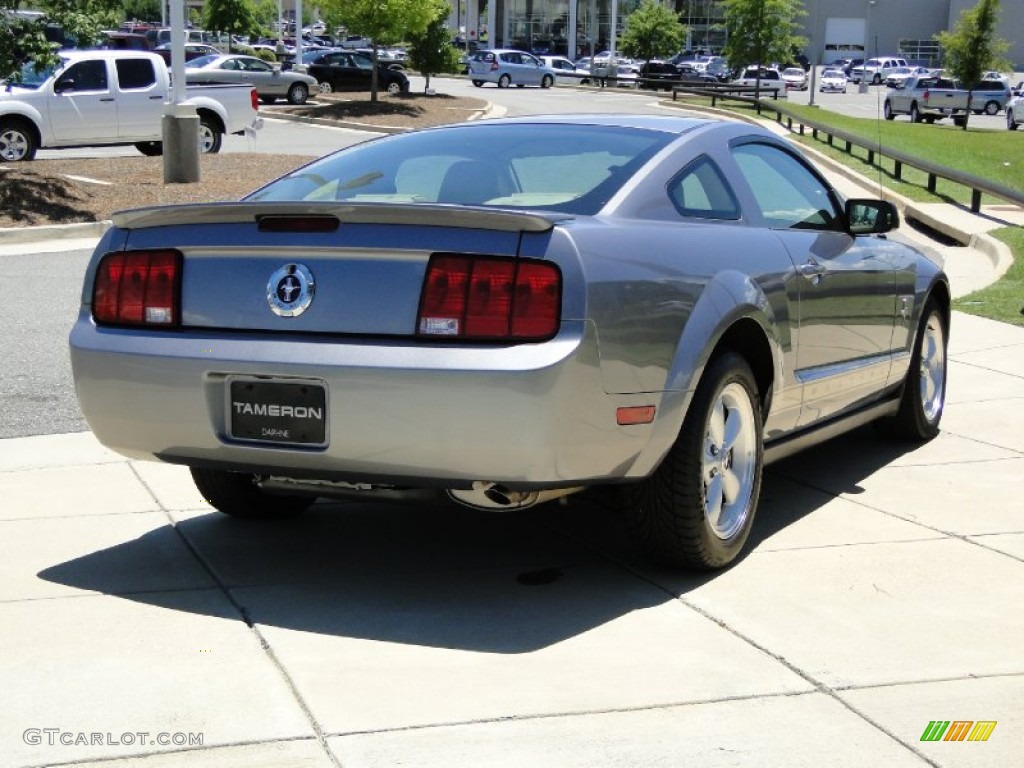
<point x="290" y="290"/>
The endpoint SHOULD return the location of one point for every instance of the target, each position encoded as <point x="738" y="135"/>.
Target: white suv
<point x="875" y="71"/>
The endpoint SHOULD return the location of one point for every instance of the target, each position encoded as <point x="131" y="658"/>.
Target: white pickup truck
<point x="111" y="97"/>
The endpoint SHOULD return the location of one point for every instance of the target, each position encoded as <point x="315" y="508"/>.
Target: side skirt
<point x="787" y="446"/>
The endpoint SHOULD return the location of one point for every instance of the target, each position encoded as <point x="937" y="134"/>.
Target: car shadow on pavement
<point x="437" y="575"/>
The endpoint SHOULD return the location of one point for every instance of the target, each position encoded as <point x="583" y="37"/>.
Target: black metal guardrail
<point x="934" y="171"/>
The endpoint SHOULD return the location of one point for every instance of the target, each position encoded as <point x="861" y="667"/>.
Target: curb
<point x="17" y="235"/>
<point x="356" y="126"/>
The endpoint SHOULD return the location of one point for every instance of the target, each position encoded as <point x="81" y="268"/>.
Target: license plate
<point x="291" y="413"/>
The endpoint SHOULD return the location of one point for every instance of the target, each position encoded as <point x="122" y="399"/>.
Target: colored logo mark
<point x="958" y="730"/>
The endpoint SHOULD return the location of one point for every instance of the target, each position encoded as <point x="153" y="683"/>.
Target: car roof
<point x="664" y="123"/>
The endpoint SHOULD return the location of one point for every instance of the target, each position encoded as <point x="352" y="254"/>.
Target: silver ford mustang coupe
<point x="509" y="311"/>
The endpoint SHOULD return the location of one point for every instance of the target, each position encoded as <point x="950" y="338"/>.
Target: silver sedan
<point x="270" y="81"/>
<point x="509" y="311"/>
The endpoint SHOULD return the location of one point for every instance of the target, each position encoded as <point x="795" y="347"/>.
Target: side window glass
<point x="701" y="191"/>
<point x="135" y="73"/>
<point x="84" y="76"/>
<point x="788" y="194"/>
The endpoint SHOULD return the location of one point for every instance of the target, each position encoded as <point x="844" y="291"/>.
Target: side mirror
<point x="66" y="84"/>
<point x="871" y="217"/>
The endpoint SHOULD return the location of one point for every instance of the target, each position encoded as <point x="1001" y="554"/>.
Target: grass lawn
<point x="994" y="155"/>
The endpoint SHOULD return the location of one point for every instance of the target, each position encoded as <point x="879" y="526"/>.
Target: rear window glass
<point x="568" y="168"/>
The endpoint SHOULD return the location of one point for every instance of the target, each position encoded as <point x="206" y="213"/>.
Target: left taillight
<point x="138" y="288"/>
<point x="490" y="298"/>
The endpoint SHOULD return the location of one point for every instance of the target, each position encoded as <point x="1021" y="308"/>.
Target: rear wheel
<point x="887" y="111"/>
<point x="17" y="141"/>
<point x="546" y="81"/>
<point x="150" y="148"/>
<point x="915" y="116"/>
<point x="325" y="87"/>
<point x="876" y="79"/>
<point x="1011" y="124"/>
<point x="237" y="494"/>
<point x="924" y="391"/>
<point x="478" y="83"/>
<point x="992" y="108"/>
<point x="210" y="137"/>
<point x="698" y="507"/>
<point x="298" y="93"/>
<point x="504" y="81"/>
<point x="268" y="99"/>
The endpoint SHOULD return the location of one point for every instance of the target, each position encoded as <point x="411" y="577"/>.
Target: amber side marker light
<point x="634" y="414"/>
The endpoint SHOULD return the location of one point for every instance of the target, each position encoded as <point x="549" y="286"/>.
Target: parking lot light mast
<point x="180" y="126"/>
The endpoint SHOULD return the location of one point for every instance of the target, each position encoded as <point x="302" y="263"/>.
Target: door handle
<point x="812" y="270"/>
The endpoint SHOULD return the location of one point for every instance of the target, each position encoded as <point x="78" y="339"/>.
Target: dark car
<point x="348" y="71"/>
<point x="664" y="74"/>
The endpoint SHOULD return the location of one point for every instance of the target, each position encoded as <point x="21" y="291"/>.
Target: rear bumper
<point x="528" y="416"/>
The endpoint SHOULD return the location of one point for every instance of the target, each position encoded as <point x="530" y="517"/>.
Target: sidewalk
<point x="883" y="592"/>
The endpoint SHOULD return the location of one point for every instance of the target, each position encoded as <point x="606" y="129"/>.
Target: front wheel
<point x="546" y="81"/>
<point x="237" y="494"/>
<point x="325" y="88"/>
<point x="394" y="88"/>
<point x="915" y="116"/>
<point x="17" y="142"/>
<point x="924" y="390"/>
<point x="697" y="509"/>
<point x="298" y="93"/>
<point x="268" y="99"/>
<point x="504" y="81"/>
<point x="876" y="79"/>
<point x="210" y="137"/>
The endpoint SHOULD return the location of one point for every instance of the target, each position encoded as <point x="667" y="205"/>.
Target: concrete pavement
<point x="883" y="591"/>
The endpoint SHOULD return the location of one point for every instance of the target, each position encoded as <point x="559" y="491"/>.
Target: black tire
<point x="504" y="81"/>
<point x="1011" y="124"/>
<point x="298" y="93"/>
<point x="268" y="99"/>
<point x="547" y="81"/>
<point x="992" y="108"/>
<point x="915" y="116"/>
<point x="478" y="83"/>
<point x="670" y="512"/>
<point x="237" y="494"/>
<point x="394" y="88"/>
<point x="887" y="111"/>
<point x="17" y="141"/>
<point x="150" y="148"/>
<point x="325" y="87"/>
<point x="924" y="390"/>
<point x="876" y="79"/>
<point x="210" y="136"/>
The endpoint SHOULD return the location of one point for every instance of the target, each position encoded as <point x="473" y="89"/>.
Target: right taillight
<point x="490" y="298"/>
<point x="138" y="288"/>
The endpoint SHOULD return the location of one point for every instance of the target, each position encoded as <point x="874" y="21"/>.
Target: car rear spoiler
<point x="431" y="215"/>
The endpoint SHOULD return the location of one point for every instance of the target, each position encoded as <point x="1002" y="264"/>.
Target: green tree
<point x="384" y="21"/>
<point x="83" y="20"/>
<point x="652" y="31"/>
<point x="431" y="52"/>
<point x="762" y="32"/>
<point x="973" y="47"/>
<point x="142" y="10"/>
<point x="22" y="40"/>
<point x="235" y="17"/>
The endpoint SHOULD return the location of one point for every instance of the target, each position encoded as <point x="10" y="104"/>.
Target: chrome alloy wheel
<point x="933" y="368"/>
<point x="729" y="461"/>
